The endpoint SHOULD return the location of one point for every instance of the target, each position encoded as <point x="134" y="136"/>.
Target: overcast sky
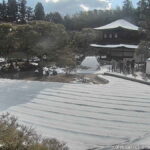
<point x="73" y="6"/>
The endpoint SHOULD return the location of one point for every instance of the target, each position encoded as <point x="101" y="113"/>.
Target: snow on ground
<point x="84" y="116"/>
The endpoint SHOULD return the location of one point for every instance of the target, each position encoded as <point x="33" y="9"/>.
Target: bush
<point x="18" y="137"/>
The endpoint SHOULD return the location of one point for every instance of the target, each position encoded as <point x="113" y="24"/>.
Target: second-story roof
<point x="121" y="23"/>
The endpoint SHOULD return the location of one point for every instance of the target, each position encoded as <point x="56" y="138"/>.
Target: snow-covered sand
<point x="91" y="62"/>
<point x="84" y="116"/>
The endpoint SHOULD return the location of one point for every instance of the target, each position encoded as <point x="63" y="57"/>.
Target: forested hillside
<point x="33" y="32"/>
<point x="18" y="12"/>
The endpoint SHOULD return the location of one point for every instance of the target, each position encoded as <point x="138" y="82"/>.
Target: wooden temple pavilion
<point x="119" y="40"/>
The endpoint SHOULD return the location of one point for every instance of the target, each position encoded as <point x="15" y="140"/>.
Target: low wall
<point x="127" y="78"/>
<point x="101" y="78"/>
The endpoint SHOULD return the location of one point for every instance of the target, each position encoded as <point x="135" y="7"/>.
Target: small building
<point x="120" y="40"/>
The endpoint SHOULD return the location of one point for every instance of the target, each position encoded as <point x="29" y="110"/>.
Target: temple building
<point x="119" y="40"/>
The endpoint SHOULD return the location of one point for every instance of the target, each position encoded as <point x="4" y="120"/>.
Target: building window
<point x="105" y="36"/>
<point x="116" y="35"/>
<point x="110" y="36"/>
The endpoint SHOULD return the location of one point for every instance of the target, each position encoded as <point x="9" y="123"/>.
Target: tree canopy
<point x="37" y="38"/>
<point x="53" y="33"/>
<point x="39" y="12"/>
<point x="144" y="21"/>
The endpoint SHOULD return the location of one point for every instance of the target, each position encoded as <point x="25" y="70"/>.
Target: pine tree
<point x="39" y="12"/>
<point x="29" y="14"/>
<point x="128" y="10"/>
<point x="4" y="11"/>
<point x="22" y="11"/>
<point x="54" y="17"/>
<point x="144" y="13"/>
<point x="1" y="14"/>
<point x="144" y="21"/>
<point x="12" y="10"/>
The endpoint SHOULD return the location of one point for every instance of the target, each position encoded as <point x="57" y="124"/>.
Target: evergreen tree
<point x="4" y="11"/>
<point x="1" y="14"/>
<point x="29" y="14"/>
<point x="12" y="10"/>
<point x="39" y="12"/>
<point x="144" y="21"/>
<point x="54" y="17"/>
<point x="144" y="13"/>
<point x="68" y="22"/>
<point x="22" y="11"/>
<point x="128" y="10"/>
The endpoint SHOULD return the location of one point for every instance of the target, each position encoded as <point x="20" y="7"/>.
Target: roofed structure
<point x="121" y="23"/>
<point x="119" y="40"/>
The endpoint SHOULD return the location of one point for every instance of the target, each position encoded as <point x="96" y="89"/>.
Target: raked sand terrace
<point x="83" y="116"/>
